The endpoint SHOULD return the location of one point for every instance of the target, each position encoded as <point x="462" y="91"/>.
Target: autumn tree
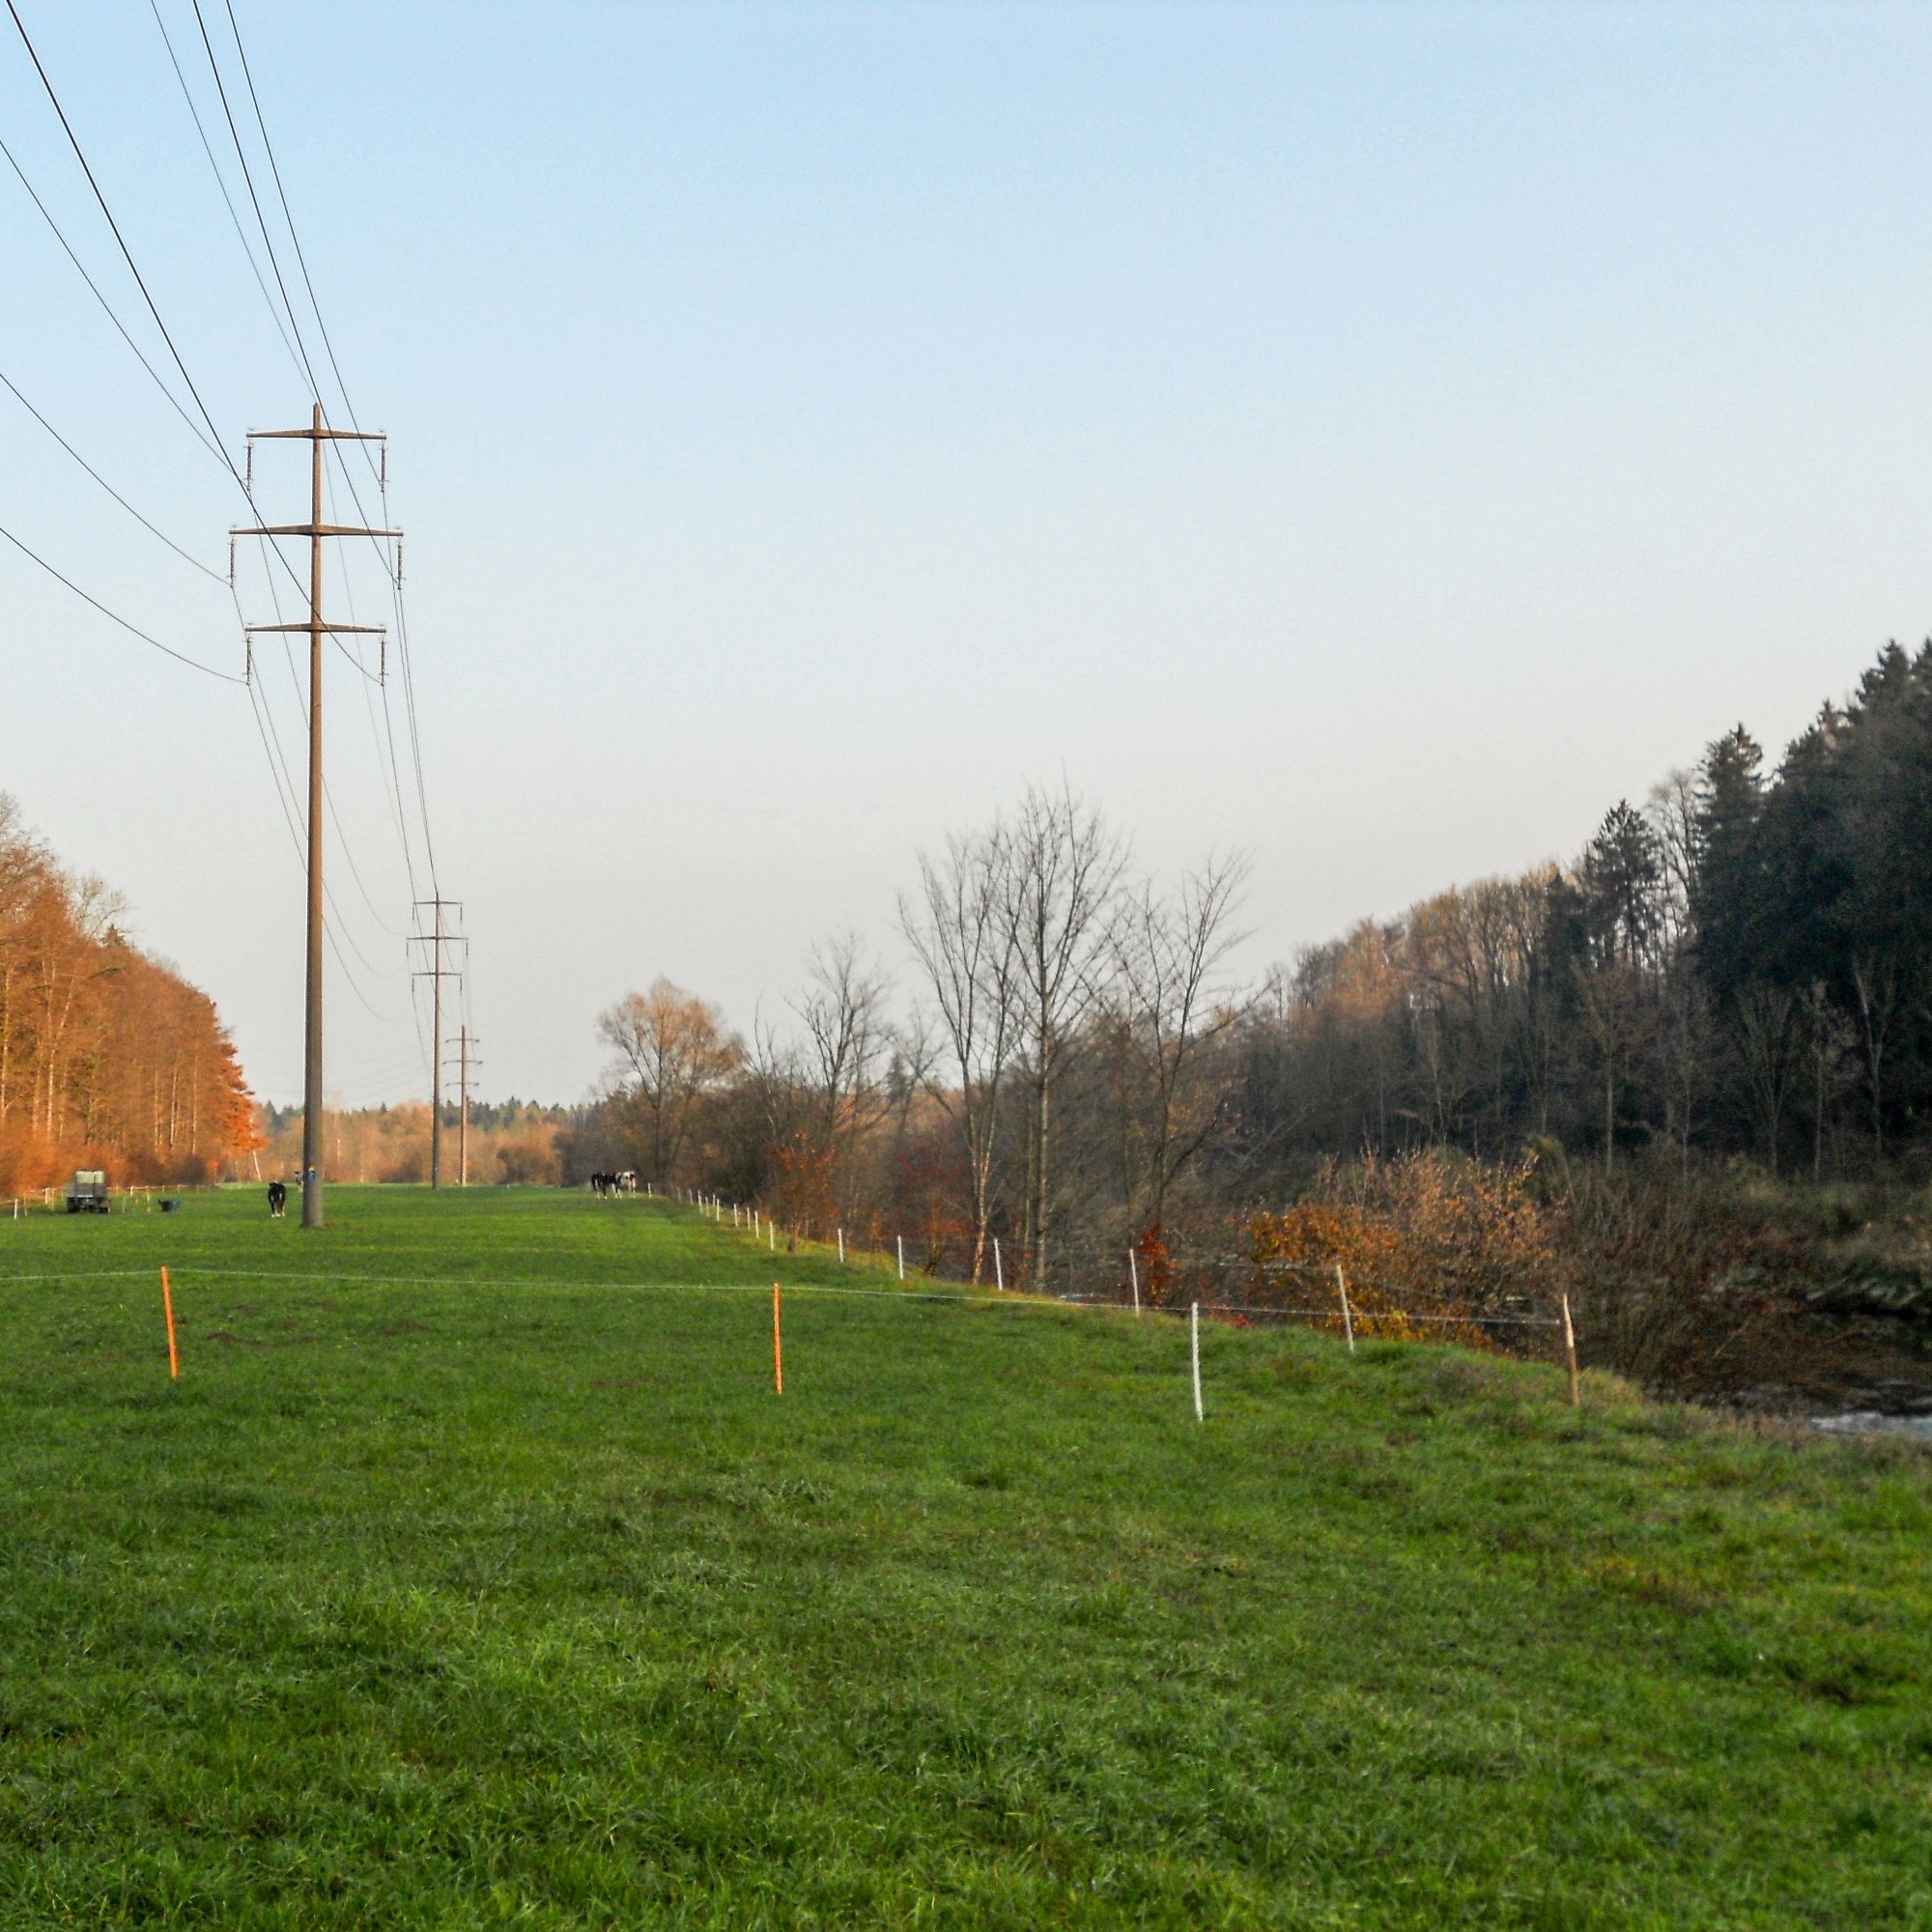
<point x="672" y="1049"/>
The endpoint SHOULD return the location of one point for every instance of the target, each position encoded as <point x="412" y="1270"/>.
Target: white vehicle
<point x="87" y="1191"/>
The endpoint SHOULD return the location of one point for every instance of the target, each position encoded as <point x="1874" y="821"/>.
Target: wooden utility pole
<point x="436" y="939"/>
<point x="315" y="531"/>
<point x="465" y="1062"/>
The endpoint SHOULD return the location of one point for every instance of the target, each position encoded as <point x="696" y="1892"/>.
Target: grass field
<point x="519" y="1599"/>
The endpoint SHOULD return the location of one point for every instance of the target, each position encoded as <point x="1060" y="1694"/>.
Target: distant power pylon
<point x="436" y="973"/>
<point x="315" y="531"/>
<point x="466" y="1063"/>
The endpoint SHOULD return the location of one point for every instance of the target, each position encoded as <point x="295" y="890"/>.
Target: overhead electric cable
<point x="186" y="557"/>
<point x="269" y="148"/>
<point x="228" y="200"/>
<point x="248" y="181"/>
<point x="285" y="783"/>
<point x="166" y="650"/>
<point x="295" y="835"/>
<point x="392" y="781"/>
<point x="336" y="818"/>
<point x="215" y="446"/>
<point x="127" y="255"/>
<point x="107" y="308"/>
<point x="392" y="570"/>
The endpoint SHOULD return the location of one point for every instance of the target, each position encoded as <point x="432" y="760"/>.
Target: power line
<point x="275" y="261"/>
<point x="212" y="441"/>
<point x="390" y="782"/>
<point x="335" y="817"/>
<point x="393" y="571"/>
<point x="269" y="148"/>
<point x="287" y="796"/>
<point x="107" y="308"/>
<point x="166" y="650"/>
<point x="278" y="775"/>
<point x="221" y="182"/>
<point x="248" y="181"/>
<point x="186" y="557"/>
<point x="127" y="255"/>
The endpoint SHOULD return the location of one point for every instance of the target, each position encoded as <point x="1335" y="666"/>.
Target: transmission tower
<point x="315" y="531"/>
<point x="466" y="1063"/>
<point x="436" y="973"/>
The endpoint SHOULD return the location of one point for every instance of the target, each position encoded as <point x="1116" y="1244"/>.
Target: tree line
<point x="108" y="1058"/>
<point x="1738" y="966"/>
<point x="511" y="1142"/>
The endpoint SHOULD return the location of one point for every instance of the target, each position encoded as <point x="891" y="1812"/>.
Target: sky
<point x="1372" y="439"/>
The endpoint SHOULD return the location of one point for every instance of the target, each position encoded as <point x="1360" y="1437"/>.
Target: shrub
<point x="1427" y="1241"/>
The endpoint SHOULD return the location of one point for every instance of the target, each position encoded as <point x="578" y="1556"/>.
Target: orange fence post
<point x="169" y="1309"/>
<point x="777" y="1347"/>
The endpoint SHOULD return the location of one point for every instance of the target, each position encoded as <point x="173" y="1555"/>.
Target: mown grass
<point x="519" y="1598"/>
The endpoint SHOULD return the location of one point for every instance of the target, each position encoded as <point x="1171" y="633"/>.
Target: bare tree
<point x="1167" y="950"/>
<point x="843" y="1012"/>
<point x="673" y="1048"/>
<point x="1672" y="812"/>
<point x="1063" y="864"/>
<point x="821" y="1097"/>
<point x="959" y="932"/>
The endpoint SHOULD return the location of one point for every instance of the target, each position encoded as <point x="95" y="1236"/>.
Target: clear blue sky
<point x="1375" y="437"/>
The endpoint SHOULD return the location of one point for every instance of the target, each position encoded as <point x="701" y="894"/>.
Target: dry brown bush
<point x="1429" y="1243"/>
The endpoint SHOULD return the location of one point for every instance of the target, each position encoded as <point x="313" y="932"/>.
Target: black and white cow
<point x="278" y="1198"/>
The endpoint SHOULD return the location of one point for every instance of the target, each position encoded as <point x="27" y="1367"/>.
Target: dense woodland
<point x="1734" y="970"/>
<point x="108" y="1058"/>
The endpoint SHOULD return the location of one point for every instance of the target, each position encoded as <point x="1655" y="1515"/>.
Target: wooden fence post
<point x="1347" y="1320"/>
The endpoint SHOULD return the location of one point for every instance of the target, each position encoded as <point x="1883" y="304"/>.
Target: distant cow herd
<point x="625" y="1182"/>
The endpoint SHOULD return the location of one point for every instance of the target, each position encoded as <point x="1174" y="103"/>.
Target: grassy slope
<point x="532" y="1605"/>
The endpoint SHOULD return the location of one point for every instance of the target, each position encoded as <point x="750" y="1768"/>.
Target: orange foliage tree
<point x="1429" y="1242"/>
<point x="108" y="1058"/>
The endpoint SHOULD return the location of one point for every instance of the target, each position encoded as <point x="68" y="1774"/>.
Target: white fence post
<point x="772" y="1236"/>
<point x="1194" y="1350"/>
<point x="901" y="1242"/>
<point x="1134" y="1276"/>
<point x="1347" y="1320"/>
<point x="842" y="1247"/>
<point x="998" y="1272"/>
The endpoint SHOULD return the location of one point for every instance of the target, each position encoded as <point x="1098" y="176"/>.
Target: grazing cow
<point x="278" y="1198"/>
<point x="603" y="1184"/>
<point x="625" y="1182"/>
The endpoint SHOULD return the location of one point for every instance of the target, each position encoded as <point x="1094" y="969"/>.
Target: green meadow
<point x="474" y="1574"/>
